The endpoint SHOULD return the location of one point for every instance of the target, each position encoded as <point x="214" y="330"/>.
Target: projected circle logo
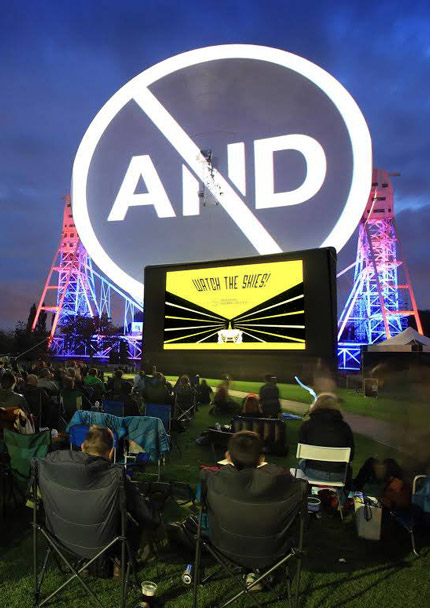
<point x="217" y="153"/>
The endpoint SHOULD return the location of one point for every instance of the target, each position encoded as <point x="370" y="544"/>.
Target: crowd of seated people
<point x="51" y="394"/>
<point x="48" y="392"/>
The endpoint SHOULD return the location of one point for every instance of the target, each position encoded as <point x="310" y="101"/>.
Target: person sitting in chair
<point x="97" y="451"/>
<point x="222" y="404"/>
<point x="327" y="428"/>
<point x="250" y="504"/>
<point x="251" y="407"/>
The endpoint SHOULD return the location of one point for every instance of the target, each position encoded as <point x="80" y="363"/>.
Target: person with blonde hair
<point x="325" y="427"/>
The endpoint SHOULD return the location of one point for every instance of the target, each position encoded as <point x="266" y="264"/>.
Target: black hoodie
<point x="326" y="427"/>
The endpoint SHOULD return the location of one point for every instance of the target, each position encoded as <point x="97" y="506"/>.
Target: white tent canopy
<point x="403" y="342"/>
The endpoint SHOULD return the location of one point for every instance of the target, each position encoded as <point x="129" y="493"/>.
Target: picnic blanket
<point x="147" y="432"/>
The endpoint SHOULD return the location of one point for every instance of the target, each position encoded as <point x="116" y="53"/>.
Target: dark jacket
<point x="269" y="399"/>
<point x="157" y="392"/>
<point x="41" y="405"/>
<point x="204" y="393"/>
<point x="326" y="427"/>
<point x="136" y="504"/>
<point x="249" y="512"/>
<point x="131" y="407"/>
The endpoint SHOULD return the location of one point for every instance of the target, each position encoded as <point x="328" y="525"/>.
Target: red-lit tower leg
<point x="74" y="288"/>
<point x="69" y="288"/>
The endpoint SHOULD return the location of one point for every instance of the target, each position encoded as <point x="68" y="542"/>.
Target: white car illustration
<point x="229" y="336"/>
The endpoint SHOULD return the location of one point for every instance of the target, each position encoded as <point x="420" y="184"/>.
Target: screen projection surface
<point x="246" y="315"/>
<point x="241" y="307"/>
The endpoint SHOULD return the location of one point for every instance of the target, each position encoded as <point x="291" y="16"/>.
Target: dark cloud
<point x="61" y="61"/>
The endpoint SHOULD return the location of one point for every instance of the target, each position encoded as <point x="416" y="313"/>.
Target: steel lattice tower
<point x="382" y="296"/>
<point x="74" y="288"/>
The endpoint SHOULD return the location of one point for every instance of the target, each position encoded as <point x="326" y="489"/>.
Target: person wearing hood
<point x="326" y="427"/>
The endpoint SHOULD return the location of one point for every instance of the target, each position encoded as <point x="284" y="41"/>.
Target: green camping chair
<point x="21" y="449"/>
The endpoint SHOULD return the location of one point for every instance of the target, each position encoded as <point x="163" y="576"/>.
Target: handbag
<point x="368" y="516"/>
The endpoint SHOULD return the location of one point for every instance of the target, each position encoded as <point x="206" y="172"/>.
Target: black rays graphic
<point x="187" y="322"/>
<point x="280" y="319"/>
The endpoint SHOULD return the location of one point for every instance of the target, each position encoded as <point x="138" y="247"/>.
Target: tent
<point x="403" y="343"/>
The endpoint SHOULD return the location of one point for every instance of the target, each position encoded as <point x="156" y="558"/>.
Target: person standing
<point x="269" y="397"/>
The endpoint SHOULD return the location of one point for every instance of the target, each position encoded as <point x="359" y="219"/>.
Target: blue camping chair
<point x="78" y="433"/>
<point x="163" y="412"/>
<point x="114" y="408"/>
<point x="419" y="511"/>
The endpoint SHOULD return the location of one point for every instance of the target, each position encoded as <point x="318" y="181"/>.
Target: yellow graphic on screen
<point x="243" y="307"/>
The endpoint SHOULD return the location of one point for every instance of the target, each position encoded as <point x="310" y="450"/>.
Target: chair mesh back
<point x="78" y="434"/>
<point x="163" y="412"/>
<point x="253" y="534"/>
<point x="22" y="448"/>
<point x="81" y="504"/>
<point x="271" y="431"/>
<point x="115" y="408"/>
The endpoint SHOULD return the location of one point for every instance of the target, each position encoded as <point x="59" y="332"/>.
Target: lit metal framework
<point x="382" y="296"/>
<point x="74" y="288"/>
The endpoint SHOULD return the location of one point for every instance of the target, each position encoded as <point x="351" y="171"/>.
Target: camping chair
<point x="21" y="450"/>
<point x="185" y="407"/>
<point x="255" y="548"/>
<point x="71" y="529"/>
<point x="150" y="436"/>
<point x="419" y="511"/>
<point x="271" y="431"/>
<point x="72" y="401"/>
<point x="115" y="408"/>
<point x="78" y="434"/>
<point x="326" y="454"/>
<point x="163" y="412"/>
<point x="218" y="440"/>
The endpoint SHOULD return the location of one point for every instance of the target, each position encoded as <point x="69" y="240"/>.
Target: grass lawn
<point x="373" y="574"/>
<point x="395" y="408"/>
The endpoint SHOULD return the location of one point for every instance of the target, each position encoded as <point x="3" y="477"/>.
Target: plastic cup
<point x="149" y="590"/>
<point x="314" y="504"/>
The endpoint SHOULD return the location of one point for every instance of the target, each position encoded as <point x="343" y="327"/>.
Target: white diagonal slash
<point x="239" y="212"/>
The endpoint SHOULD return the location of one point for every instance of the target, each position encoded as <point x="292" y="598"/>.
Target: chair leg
<point x="197" y="558"/>
<point x="123" y="576"/>
<point x="414" y="547"/>
<point x="339" y="505"/>
<point x="244" y="587"/>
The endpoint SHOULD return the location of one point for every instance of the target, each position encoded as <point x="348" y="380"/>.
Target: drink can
<point x="187" y="575"/>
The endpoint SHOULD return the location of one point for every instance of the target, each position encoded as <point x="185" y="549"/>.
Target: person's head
<point x="327" y="401"/>
<point x="245" y="450"/>
<point x="203" y="382"/>
<point x="8" y="381"/>
<point x="31" y="379"/>
<point x="118" y="374"/>
<point x="184" y="380"/>
<point x="93" y="372"/>
<point x="45" y="373"/>
<point x="270" y="378"/>
<point x="251" y="405"/>
<point x="99" y="442"/>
